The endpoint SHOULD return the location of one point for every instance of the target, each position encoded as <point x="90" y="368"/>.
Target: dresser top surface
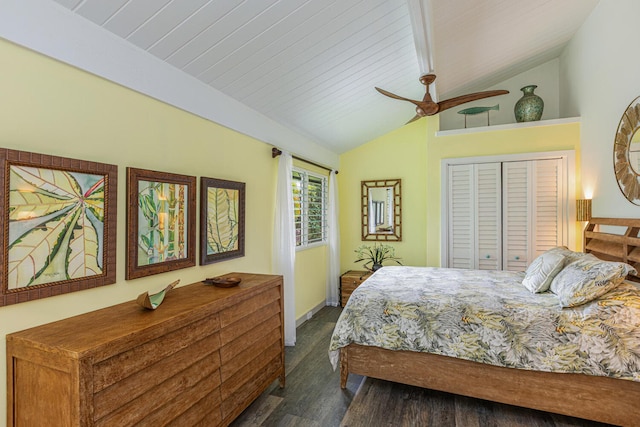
<point x="181" y="306"/>
<point x="360" y="274"/>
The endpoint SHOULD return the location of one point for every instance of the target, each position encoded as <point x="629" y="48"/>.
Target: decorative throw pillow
<point x="569" y="255"/>
<point x="542" y="270"/>
<point x="588" y="278"/>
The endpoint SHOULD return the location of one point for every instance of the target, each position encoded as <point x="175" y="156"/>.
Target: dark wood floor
<point x="312" y="396"/>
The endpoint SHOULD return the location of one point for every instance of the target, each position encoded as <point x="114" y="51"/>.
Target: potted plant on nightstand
<point x="376" y="255"/>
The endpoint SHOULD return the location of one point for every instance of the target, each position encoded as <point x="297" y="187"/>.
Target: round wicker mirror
<point x="626" y="159"/>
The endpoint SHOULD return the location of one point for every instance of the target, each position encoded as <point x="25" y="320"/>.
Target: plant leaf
<point x="94" y="200"/>
<point x="31" y="253"/>
<point x="147" y="206"/>
<point x="82" y="256"/>
<point x="51" y="181"/>
<point x="222" y="219"/>
<point x="145" y="241"/>
<point x="29" y="205"/>
<point x="39" y="192"/>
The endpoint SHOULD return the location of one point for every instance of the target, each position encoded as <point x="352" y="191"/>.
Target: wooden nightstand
<point x="349" y="281"/>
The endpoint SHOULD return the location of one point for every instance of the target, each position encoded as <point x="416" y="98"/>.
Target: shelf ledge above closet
<point x="508" y="126"/>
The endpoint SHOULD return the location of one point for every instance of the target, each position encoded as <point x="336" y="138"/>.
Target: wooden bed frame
<point x="595" y="398"/>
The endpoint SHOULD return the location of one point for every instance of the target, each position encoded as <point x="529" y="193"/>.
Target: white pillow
<point x="588" y="278"/>
<point x="542" y="270"/>
<point x="569" y="255"/>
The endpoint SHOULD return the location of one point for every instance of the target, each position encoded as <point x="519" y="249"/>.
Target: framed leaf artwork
<point x="60" y="225"/>
<point x="221" y="220"/>
<point x="161" y="217"/>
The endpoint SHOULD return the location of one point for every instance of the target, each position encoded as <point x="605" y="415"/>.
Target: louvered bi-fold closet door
<point x="488" y="217"/>
<point x="461" y="217"/>
<point x="474" y="198"/>
<point x="531" y="211"/>
<point x="548" y="208"/>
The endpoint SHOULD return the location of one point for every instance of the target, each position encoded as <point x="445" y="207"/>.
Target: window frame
<point x="305" y="175"/>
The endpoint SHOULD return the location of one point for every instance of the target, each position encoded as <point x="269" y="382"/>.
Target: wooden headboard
<point x="615" y="247"/>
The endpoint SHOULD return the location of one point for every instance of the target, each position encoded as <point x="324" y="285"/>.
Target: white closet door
<point x="547" y="195"/>
<point x="474" y="216"/>
<point x="461" y="209"/>
<point x="532" y="210"/>
<point x="516" y="214"/>
<point x="488" y="218"/>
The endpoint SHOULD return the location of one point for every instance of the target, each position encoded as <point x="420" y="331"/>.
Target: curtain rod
<point x="275" y="153"/>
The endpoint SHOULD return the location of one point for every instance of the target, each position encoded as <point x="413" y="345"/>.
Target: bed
<point x="578" y="377"/>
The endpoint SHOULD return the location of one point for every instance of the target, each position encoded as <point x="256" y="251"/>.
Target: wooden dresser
<point x="199" y="359"/>
<point x="349" y="281"/>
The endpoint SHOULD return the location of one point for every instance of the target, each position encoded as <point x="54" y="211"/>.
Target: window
<point x="309" y="207"/>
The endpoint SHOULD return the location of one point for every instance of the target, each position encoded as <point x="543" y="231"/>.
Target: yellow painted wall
<point x="414" y="153"/>
<point x="311" y="279"/>
<point x="399" y="154"/>
<point x="49" y="107"/>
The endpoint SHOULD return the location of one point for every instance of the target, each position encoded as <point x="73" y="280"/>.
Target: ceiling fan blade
<point x="394" y="96"/>
<point x="416" y="117"/>
<point x="448" y="103"/>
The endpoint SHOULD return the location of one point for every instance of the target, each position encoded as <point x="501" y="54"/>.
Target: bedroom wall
<point x="414" y="153"/>
<point x="398" y="154"/>
<point x="599" y="78"/>
<point x="49" y="107"/>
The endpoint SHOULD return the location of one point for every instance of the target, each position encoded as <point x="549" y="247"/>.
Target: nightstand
<point x="349" y="281"/>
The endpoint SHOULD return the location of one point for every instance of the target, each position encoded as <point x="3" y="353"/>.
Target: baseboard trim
<point x="310" y="314"/>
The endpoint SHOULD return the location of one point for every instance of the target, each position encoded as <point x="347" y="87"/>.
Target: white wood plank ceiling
<point x="311" y="65"/>
<point x="481" y="43"/>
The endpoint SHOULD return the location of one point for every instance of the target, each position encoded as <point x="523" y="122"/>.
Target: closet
<point x="501" y="214"/>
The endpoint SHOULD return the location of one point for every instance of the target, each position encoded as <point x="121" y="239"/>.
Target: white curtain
<point x="284" y="244"/>
<point x="333" y="253"/>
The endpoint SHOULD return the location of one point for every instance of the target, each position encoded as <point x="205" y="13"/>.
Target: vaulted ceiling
<point x="311" y="65"/>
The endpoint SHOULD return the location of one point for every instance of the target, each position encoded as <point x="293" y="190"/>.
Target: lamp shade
<point x="583" y="210"/>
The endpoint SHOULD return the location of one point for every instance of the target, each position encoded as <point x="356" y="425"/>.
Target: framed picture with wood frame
<point x="222" y="213"/>
<point x="59" y="232"/>
<point x="161" y="217"/>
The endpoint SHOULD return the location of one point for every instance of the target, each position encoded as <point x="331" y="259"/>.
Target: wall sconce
<point x="583" y="210"/>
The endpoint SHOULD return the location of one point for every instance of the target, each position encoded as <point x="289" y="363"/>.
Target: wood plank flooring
<point x="312" y="396"/>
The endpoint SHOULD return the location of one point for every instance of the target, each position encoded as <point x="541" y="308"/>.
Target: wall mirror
<point x="381" y="210"/>
<point x="626" y="153"/>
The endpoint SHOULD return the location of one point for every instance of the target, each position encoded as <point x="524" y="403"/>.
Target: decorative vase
<point x="376" y="267"/>
<point x="529" y="107"/>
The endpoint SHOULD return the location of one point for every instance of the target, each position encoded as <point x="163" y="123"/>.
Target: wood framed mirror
<point x="381" y="203"/>
<point x="626" y="152"/>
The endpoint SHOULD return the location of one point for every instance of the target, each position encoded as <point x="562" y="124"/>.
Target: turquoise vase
<point x="529" y="107"/>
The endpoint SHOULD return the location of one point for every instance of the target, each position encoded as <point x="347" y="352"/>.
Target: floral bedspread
<point x="490" y="317"/>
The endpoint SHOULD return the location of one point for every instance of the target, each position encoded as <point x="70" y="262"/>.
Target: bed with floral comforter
<point x="490" y="317"/>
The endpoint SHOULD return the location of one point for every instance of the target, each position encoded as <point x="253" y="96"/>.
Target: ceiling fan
<point x="427" y="107"/>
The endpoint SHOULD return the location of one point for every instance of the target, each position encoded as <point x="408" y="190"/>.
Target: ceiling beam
<point x="421" y="26"/>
